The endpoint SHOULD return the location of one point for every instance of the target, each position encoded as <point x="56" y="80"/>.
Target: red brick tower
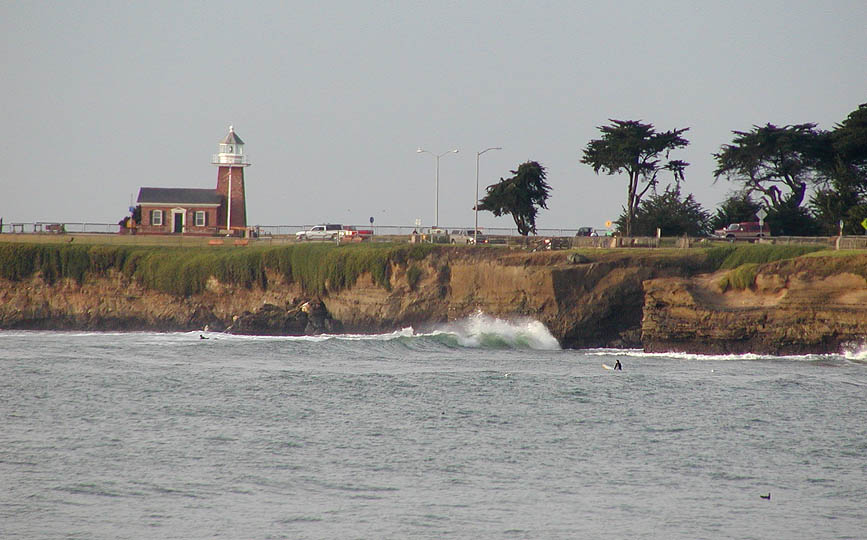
<point x="230" y="182"/>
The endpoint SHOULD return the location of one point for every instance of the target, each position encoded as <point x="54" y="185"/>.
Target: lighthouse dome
<point x="232" y="137"/>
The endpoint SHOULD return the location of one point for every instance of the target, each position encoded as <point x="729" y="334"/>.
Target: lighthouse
<point x="230" y="162"/>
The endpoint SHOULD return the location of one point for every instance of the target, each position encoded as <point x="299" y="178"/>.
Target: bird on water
<point x="766" y="497"/>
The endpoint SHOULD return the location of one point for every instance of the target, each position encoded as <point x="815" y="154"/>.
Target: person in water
<point x="617" y="366"/>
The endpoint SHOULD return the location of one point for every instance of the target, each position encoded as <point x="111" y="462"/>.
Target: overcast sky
<point x="333" y="98"/>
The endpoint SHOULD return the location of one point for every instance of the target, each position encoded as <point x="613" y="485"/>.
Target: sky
<point x="333" y="98"/>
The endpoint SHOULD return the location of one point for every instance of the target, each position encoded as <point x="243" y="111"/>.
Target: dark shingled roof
<point x="153" y="195"/>
<point x="231" y="138"/>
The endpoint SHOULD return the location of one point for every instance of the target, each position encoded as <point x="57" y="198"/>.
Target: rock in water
<point x="270" y="320"/>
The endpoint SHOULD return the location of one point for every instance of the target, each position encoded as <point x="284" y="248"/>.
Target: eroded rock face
<point x="114" y="302"/>
<point x="790" y="309"/>
<point x="309" y="318"/>
<point x="584" y="304"/>
<point x="658" y="303"/>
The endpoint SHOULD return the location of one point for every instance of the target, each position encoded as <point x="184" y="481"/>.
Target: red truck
<point x="352" y="234"/>
<point x="747" y="230"/>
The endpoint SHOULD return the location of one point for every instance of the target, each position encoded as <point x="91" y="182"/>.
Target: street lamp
<point x="476" y="206"/>
<point x="437" y="200"/>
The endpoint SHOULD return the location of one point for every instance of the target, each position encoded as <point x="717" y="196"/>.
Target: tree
<point x="737" y="208"/>
<point x="786" y="219"/>
<point x="842" y="202"/>
<point x="628" y="146"/>
<point x="769" y="157"/>
<point x="671" y="213"/>
<point x="790" y="220"/>
<point x="844" y="195"/>
<point x="136" y="217"/>
<point x="849" y="140"/>
<point x="519" y="196"/>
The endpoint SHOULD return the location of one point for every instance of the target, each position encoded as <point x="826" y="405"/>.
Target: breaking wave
<point x="478" y="331"/>
<point x="483" y="331"/>
<point x="856" y="352"/>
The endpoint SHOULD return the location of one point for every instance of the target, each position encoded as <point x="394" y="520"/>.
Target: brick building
<point x="201" y="211"/>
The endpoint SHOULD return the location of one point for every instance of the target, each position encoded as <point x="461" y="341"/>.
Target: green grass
<point x="741" y="278"/>
<point x="317" y="268"/>
<point x="838" y="262"/>
<point x="53" y="261"/>
<point x="744" y="261"/>
<point x="733" y="256"/>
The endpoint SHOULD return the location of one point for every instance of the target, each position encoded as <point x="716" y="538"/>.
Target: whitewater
<point x="480" y="428"/>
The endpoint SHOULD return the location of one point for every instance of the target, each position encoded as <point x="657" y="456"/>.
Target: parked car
<point x="329" y="231"/>
<point x="467" y="236"/>
<point x="584" y="231"/>
<point x="439" y="236"/>
<point x="352" y="234"/>
<point x="747" y="230"/>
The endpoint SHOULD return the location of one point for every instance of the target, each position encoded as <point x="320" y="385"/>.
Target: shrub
<point x="413" y="276"/>
<point x="17" y="261"/>
<point x="742" y="277"/>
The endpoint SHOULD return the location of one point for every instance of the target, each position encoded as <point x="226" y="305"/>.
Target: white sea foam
<point x="476" y="331"/>
<point x="638" y="353"/>
<point x="856" y="352"/>
<point x="482" y="330"/>
<point x="405" y="332"/>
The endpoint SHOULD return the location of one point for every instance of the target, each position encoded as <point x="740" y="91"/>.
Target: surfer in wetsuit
<point x="617" y="366"/>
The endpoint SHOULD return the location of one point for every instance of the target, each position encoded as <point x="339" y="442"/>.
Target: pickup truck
<point x="748" y="230"/>
<point x="329" y="231"/>
<point x="351" y="234"/>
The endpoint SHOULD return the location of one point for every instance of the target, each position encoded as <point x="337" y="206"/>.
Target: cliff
<point x="798" y="306"/>
<point x="317" y="288"/>
<point x="660" y="300"/>
<point x="583" y="302"/>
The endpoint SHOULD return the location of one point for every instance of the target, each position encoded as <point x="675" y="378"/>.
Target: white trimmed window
<point x="201" y="219"/>
<point x="156" y="217"/>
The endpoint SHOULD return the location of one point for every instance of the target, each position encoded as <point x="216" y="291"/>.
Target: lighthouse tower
<point x="230" y="182"/>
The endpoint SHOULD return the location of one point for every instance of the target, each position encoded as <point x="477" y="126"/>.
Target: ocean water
<point x="481" y="429"/>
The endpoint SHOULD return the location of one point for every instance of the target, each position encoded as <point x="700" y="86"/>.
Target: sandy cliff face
<point x="793" y="307"/>
<point x="583" y="304"/>
<point x="117" y="303"/>
<point x="617" y="300"/>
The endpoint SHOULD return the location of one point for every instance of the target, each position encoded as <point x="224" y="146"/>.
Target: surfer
<point x="617" y="366"/>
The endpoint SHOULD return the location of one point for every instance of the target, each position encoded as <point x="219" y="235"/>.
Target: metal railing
<point x="229" y="159"/>
<point x="58" y="227"/>
<point x="401" y="230"/>
<point x="393" y="232"/>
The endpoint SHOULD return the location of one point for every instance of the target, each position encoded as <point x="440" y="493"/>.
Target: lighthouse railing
<point x="230" y="159"/>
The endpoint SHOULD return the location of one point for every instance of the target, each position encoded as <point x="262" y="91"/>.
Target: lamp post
<point x="476" y="206"/>
<point x="437" y="196"/>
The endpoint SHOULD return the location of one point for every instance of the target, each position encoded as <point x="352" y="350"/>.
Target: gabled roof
<point x="231" y="138"/>
<point x="188" y="196"/>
